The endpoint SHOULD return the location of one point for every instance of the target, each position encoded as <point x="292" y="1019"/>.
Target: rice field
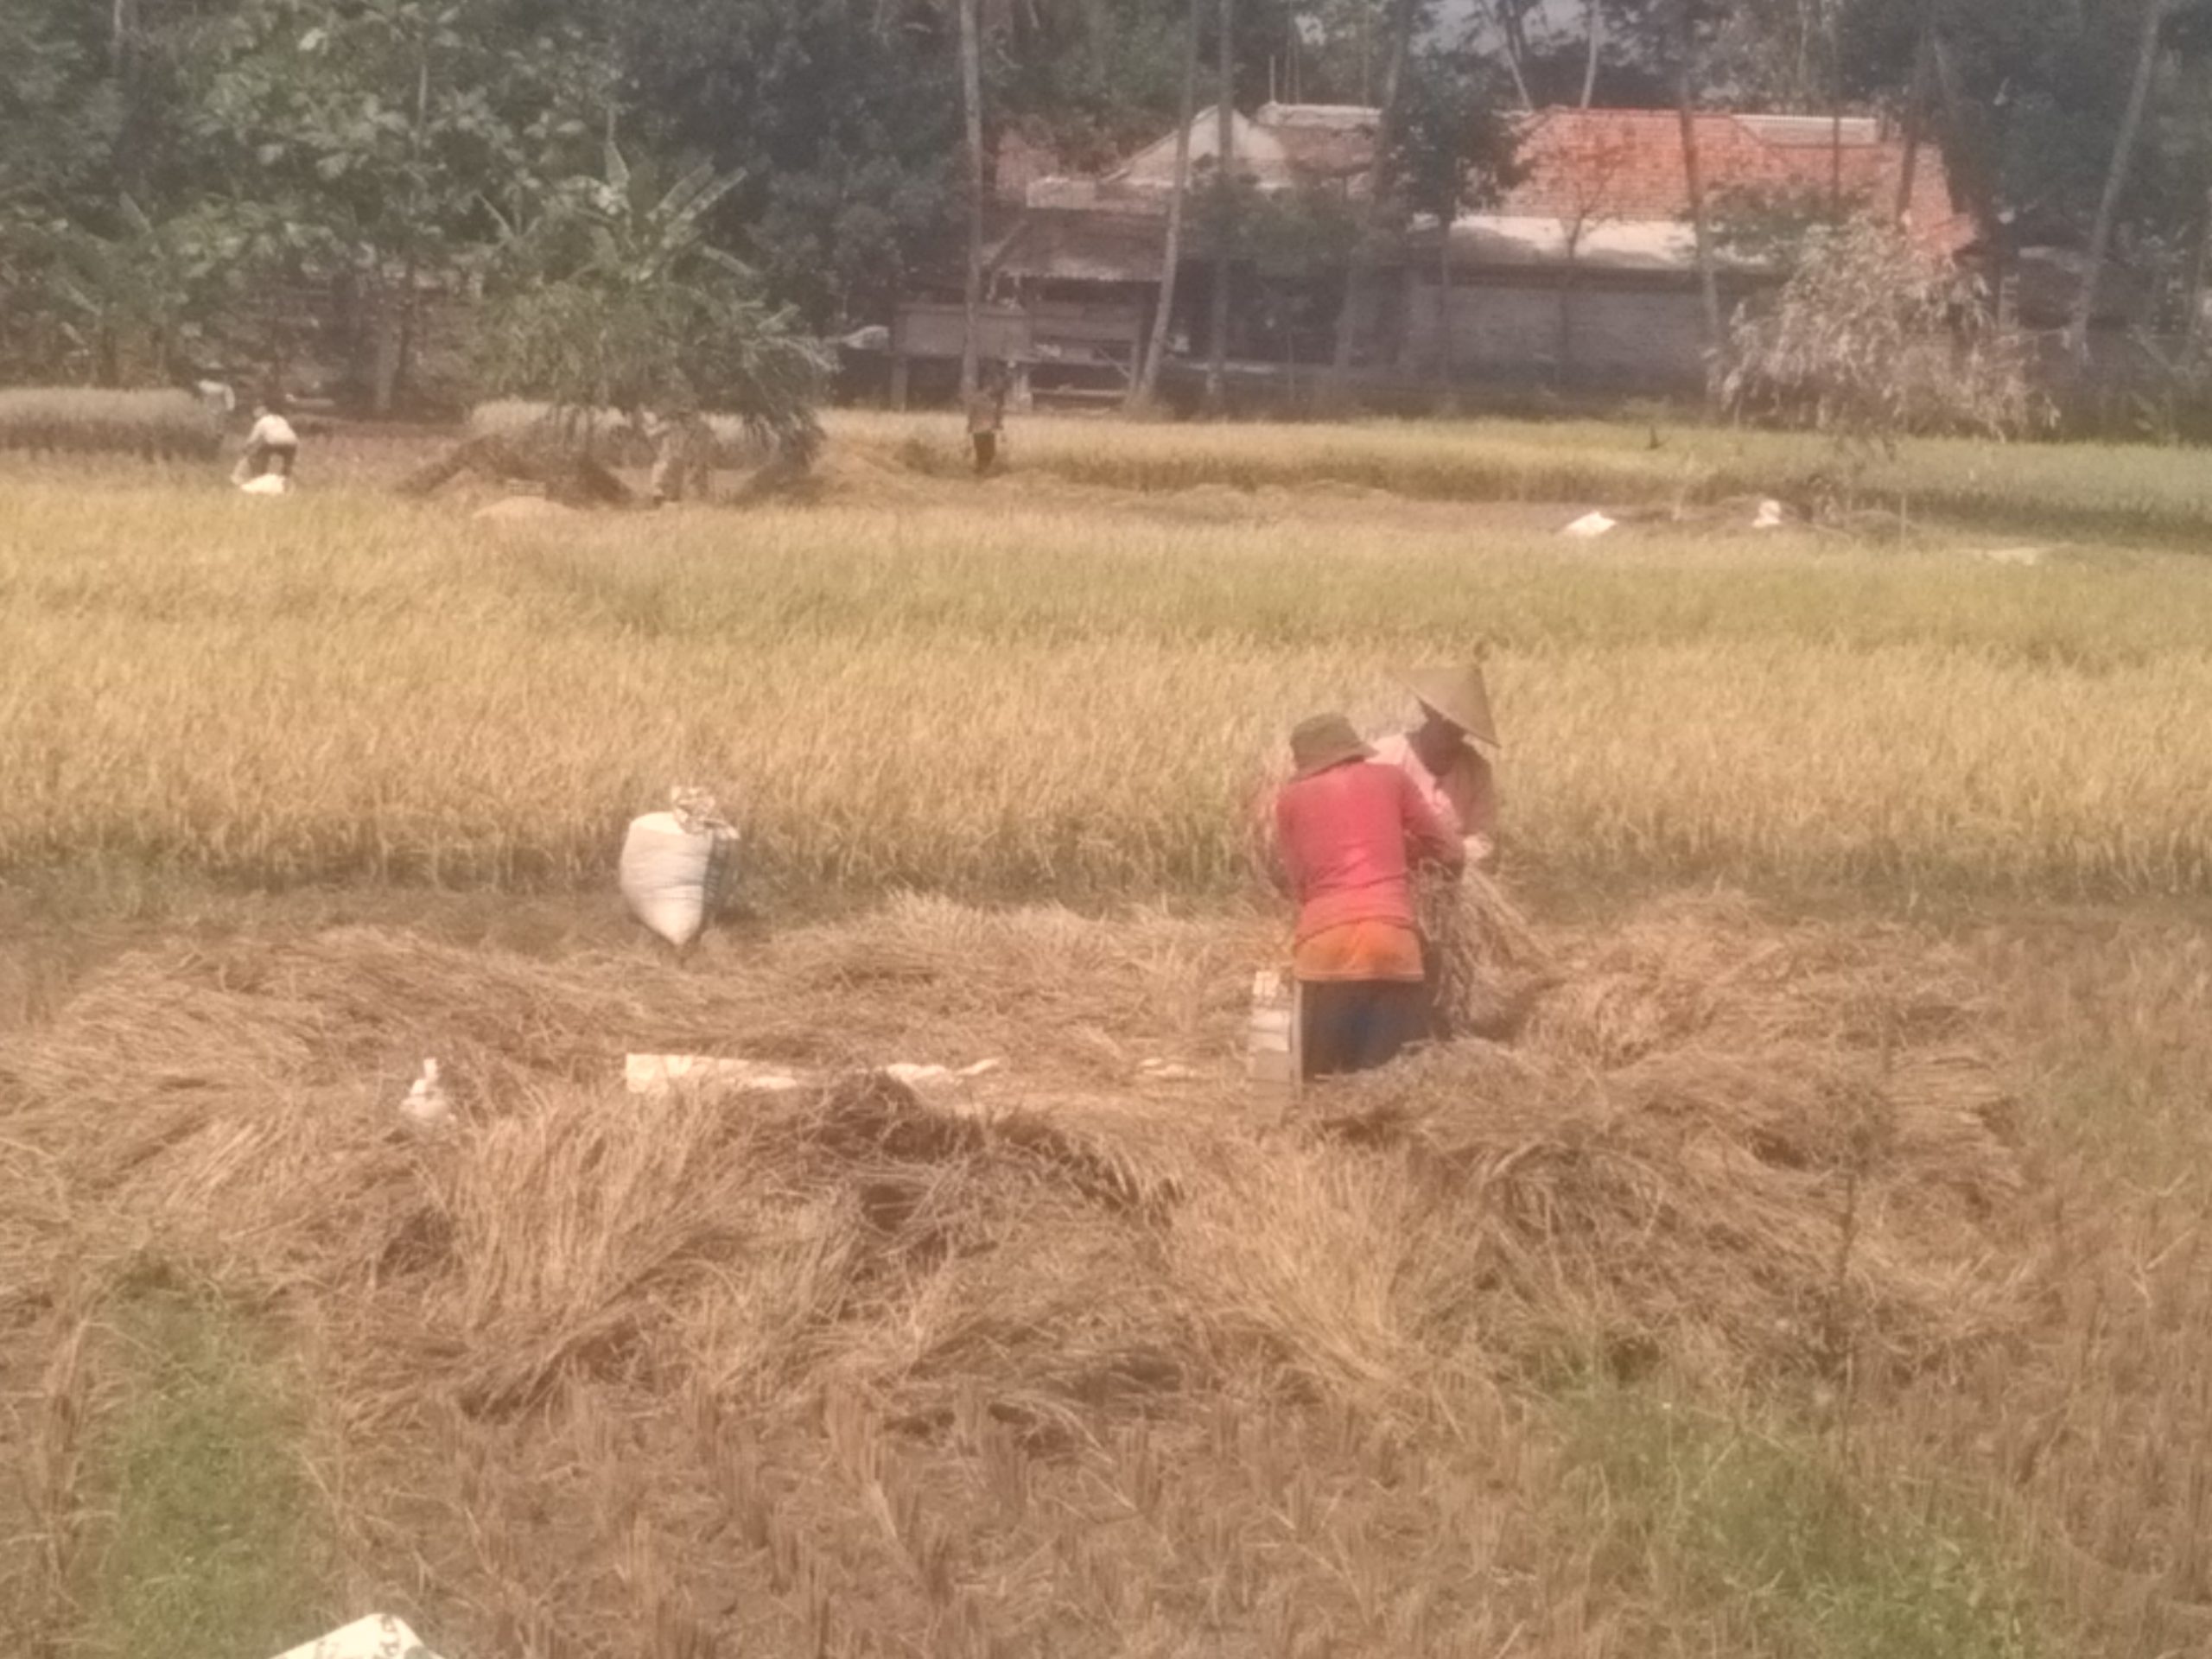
<point x="2127" y="493"/>
<point x="1815" y="1272"/>
<point x="1037" y="691"/>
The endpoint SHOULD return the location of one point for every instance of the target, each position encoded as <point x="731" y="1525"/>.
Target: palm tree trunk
<point x="1445" y="318"/>
<point x="2123" y="159"/>
<point x="1359" y="279"/>
<point x="971" y="98"/>
<point x="1225" y="203"/>
<point x="2198" y="283"/>
<point x="1916" y="101"/>
<point x="1686" y="66"/>
<point x="1171" y="261"/>
<point x="1510" y="27"/>
<point x="1597" y="45"/>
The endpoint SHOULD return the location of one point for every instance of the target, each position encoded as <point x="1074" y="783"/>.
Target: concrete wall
<point x="1542" y="328"/>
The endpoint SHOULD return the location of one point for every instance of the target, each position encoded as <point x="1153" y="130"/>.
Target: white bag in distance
<point x="676" y="868"/>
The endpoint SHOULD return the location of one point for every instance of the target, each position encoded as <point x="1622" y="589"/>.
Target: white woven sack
<point x="673" y="877"/>
<point x="377" y="1636"/>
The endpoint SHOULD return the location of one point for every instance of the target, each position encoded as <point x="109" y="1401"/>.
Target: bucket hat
<point x="1323" y="741"/>
<point x="1459" y="696"/>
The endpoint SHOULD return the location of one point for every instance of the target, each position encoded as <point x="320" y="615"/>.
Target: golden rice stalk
<point x="1486" y="960"/>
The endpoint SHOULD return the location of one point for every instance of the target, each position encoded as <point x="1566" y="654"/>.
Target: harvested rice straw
<point x="1485" y="961"/>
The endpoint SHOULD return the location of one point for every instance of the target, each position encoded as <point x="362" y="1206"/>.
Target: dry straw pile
<point x="817" y="1371"/>
<point x="157" y="425"/>
<point x="609" y="431"/>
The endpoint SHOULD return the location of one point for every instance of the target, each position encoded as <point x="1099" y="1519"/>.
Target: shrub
<point x="1874" y="337"/>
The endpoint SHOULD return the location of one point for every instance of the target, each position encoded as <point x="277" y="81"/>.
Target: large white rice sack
<point x="673" y="877"/>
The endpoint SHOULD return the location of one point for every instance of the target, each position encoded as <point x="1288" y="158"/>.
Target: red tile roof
<point x="1594" y="166"/>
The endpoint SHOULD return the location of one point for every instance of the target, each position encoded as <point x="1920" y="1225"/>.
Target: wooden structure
<point x="1074" y="345"/>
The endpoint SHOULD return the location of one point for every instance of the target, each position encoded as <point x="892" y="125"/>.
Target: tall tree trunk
<point x="1965" y="159"/>
<point x="971" y="99"/>
<point x="1444" y="317"/>
<point x="1225" y="204"/>
<point x="1686" y="82"/>
<point x="1916" y="100"/>
<point x="1171" y="261"/>
<point x="1596" y="25"/>
<point x="2123" y="160"/>
<point x="2193" y="335"/>
<point x="1508" y="27"/>
<point x="1359" y="277"/>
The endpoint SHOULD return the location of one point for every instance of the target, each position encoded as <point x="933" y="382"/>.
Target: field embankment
<point x="2137" y="492"/>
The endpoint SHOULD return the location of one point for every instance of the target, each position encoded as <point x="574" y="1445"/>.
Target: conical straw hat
<point x="1460" y="697"/>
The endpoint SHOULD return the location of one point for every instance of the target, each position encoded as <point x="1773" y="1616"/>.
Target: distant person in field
<point x="987" y="418"/>
<point x="1441" y="755"/>
<point x="1349" y="834"/>
<point x="272" y="447"/>
<point x="682" y="448"/>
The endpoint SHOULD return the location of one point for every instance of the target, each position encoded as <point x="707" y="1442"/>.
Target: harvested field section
<point x="1061" y="1361"/>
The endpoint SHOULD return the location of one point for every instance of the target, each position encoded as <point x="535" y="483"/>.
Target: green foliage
<point x="843" y="119"/>
<point x="1794" y="1557"/>
<point x="1455" y="149"/>
<point x="617" y="300"/>
<point x="383" y="128"/>
<point x="210" y="1542"/>
<point x="131" y="308"/>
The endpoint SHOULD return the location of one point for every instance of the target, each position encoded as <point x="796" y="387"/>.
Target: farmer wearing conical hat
<point x="1440" y="756"/>
<point x="1348" y="835"/>
<point x="1452" y="776"/>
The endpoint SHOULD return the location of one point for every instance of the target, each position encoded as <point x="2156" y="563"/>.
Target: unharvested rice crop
<point x="53" y="420"/>
<point x="2136" y="491"/>
<point x="1024" y="691"/>
<point x="1099" y="1353"/>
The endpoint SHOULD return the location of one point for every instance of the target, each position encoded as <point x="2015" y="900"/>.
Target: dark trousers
<point x="987" y="450"/>
<point x="1355" y="1025"/>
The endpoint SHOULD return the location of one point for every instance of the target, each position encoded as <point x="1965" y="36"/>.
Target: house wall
<point x="935" y="329"/>
<point x="1540" y="327"/>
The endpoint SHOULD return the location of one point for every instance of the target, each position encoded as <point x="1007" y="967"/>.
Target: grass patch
<point x="1788" y="1553"/>
<point x="206" y="1539"/>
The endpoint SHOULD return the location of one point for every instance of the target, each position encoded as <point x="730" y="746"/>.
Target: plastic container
<point x="1271" y="1056"/>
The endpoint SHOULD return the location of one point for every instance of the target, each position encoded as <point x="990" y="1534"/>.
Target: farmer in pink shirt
<point x="1349" y="834"/>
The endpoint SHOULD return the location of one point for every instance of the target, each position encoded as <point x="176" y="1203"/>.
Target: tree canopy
<point x="167" y="165"/>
